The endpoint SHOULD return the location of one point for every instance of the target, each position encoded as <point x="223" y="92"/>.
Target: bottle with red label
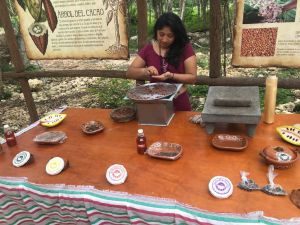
<point x="9" y="136"/>
<point x="141" y="142"/>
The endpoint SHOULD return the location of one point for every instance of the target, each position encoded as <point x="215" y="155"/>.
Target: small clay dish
<point x="92" y="127"/>
<point x="165" y="150"/>
<point x="230" y="142"/>
<point x="281" y="157"/>
<point x="123" y="114"/>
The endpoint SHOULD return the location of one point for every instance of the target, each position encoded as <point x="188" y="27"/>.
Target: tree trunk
<point x="198" y="13"/>
<point x="203" y="8"/>
<point x="156" y="8"/>
<point x="215" y="39"/>
<point x="182" y="8"/>
<point x="142" y="23"/>
<point x="169" y="6"/>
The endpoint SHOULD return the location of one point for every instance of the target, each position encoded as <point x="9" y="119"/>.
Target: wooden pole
<point x="142" y="23"/>
<point x="142" y="26"/>
<point x="215" y="39"/>
<point x="288" y="83"/>
<point x="17" y="59"/>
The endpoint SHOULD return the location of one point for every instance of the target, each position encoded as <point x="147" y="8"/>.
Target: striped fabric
<point x="22" y="202"/>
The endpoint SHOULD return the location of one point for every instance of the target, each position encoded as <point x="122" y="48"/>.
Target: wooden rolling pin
<point x="270" y="99"/>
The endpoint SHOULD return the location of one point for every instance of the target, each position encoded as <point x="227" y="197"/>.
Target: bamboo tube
<point x="270" y="99"/>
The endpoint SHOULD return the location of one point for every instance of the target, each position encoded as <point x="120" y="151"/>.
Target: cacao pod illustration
<point x="50" y="13"/>
<point x="35" y="10"/>
<point x="39" y="34"/>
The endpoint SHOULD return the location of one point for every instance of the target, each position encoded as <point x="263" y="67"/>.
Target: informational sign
<point x="76" y="29"/>
<point x="267" y="33"/>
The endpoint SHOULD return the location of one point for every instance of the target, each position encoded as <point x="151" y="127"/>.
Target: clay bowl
<point x="281" y="157"/>
<point x="230" y="142"/>
<point x="92" y="127"/>
<point x="123" y="114"/>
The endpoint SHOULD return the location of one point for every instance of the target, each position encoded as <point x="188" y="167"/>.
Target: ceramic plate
<point x="52" y="119"/>
<point x="230" y="142"/>
<point x="165" y="150"/>
<point x="151" y="91"/>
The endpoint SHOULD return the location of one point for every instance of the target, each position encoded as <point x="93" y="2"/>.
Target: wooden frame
<point x="214" y="77"/>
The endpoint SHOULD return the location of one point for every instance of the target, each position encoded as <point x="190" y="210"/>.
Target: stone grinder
<point x="230" y="104"/>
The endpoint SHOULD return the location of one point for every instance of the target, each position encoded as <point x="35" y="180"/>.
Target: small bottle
<point x="9" y="136"/>
<point x="141" y="142"/>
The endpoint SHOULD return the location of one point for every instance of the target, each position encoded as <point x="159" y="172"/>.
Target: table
<point x="178" y="187"/>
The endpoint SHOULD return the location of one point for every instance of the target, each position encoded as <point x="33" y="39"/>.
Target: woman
<point x="168" y="58"/>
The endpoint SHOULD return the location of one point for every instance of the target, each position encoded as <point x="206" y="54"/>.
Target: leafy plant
<point x="283" y="96"/>
<point x="111" y="91"/>
<point x="196" y="92"/>
<point x="297" y="108"/>
<point x="5" y="94"/>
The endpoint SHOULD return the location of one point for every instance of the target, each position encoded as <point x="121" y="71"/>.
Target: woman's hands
<point x="151" y="71"/>
<point x="164" y="76"/>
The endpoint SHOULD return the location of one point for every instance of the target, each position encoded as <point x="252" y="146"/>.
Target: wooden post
<point x="17" y="59"/>
<point x="142" y="27"/>
<point x="215" y="39"/>
<point x="142" y="23"/>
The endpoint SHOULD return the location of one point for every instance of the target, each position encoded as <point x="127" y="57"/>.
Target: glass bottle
<point x="141" y="142"/>
<point x="9" y="136"/>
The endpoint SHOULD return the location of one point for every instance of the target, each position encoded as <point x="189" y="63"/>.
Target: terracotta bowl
<point x="165" y="150"/>
<point x="92" y="127"/>
<point x="281" y="157"/>
<point x="230" y="142"/>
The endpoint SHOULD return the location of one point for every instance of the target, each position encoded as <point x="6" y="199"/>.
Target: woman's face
<point x="165" y="37"/>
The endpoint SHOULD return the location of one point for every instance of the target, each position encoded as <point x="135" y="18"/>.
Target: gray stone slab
<point x="238" y="109"/>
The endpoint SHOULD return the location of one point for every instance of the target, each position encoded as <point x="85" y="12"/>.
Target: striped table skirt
<point x="22" y="202"/>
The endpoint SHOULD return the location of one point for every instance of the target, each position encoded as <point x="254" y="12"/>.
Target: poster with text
<point x="267" y="33"/>
<point x="77" y="29"/>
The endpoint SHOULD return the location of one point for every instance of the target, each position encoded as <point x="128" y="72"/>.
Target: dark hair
<point x="173" y="21"/>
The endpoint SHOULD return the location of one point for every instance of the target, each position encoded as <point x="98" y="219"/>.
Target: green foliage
<point x="196" y="92"/>
<point x="251" y="15"/>
<point x="192" y="22"/>
<point x="203" y="62"/>
<point x="111" y="92"/>
<point x="31" y="67"/>
<point x="297" y="108"/>
<point x="5" y="94"/>
<point x="288" y="73"/>
<point x="283" y="96"/>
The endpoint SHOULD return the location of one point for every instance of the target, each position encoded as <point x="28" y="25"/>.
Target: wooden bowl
<point x="92" y="127"/>
<point x="281" y="157"/>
